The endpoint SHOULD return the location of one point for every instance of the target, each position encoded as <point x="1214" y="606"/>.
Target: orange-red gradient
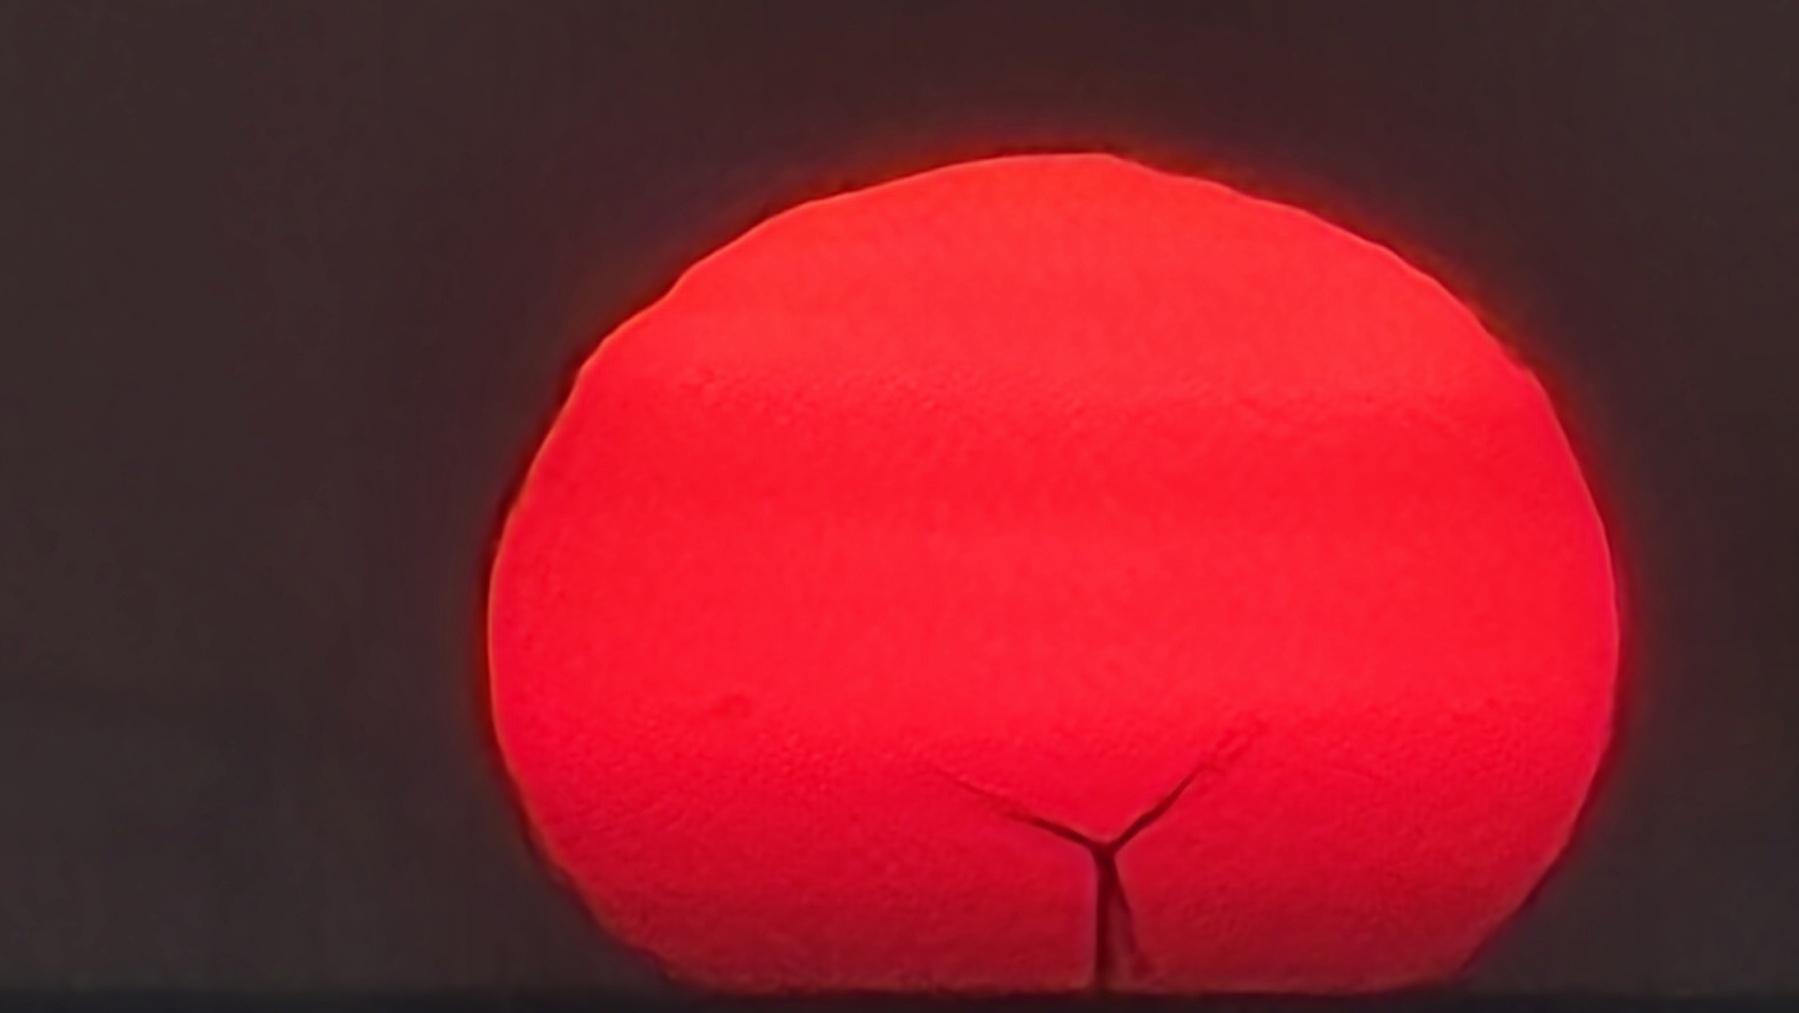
<point x="1014" y="490"/>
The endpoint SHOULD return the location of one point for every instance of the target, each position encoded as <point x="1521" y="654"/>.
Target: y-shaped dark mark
<point x="1109" y="945"/>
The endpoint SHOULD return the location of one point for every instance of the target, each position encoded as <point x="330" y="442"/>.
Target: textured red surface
<point x="925" y="537"/>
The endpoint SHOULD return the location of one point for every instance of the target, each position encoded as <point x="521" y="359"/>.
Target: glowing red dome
<point x="874" y="582"/>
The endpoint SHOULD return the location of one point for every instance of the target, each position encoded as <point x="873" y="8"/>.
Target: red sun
<point x="1047" y="573"/>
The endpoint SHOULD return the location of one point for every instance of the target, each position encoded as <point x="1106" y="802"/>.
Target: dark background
<point x="289" y="290"/>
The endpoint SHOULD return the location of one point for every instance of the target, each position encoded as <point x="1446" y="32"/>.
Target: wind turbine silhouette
<point x="1114" y="937"/>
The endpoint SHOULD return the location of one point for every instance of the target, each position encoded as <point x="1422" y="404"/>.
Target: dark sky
<point x="290" y="289"/>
